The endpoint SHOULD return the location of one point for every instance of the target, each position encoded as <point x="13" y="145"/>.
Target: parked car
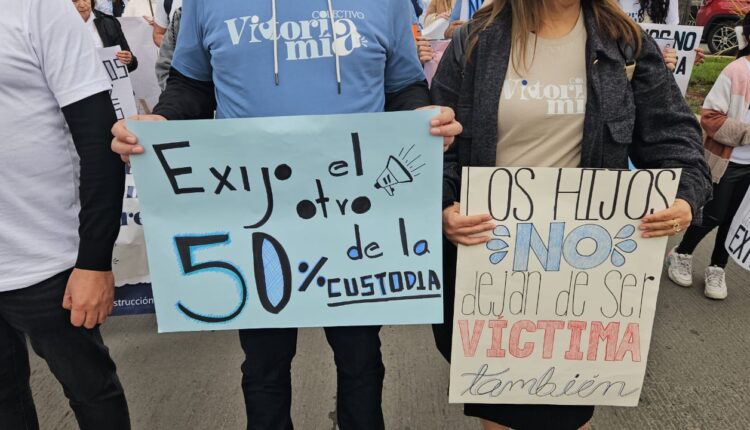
<point x="718" y="19"/>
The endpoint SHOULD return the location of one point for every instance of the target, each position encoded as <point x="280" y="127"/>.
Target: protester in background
<point x="726" y="121"/>
<point x="111" y="7"/>
<point x="163" y="13"/>
<point x="463" y="10"/>
<point x="239" y="79"/>
<point x="659" y="12"/>
<point x="438" y="9"/>
<point x="106" y="31"/>
<point x="652" y="11"/>
<point x="548" y="44"/>
<point x="166" y="51"/>
<point x="56" y="237"/>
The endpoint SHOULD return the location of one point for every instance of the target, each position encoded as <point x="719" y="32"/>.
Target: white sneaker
<point x="716" y="285"/>
<point x="680" y="268"/>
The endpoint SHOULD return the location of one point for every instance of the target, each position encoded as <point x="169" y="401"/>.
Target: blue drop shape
<point x="617" y="258"/>
<point x="501" y="231"/>
<point x="627" y="246"/>
<point x="420" y="248"/>
<point x="496" y="245"/>
<point x="497" y="257"/>
<point x="625" y="232"/>
<point x="353" y="253"/>
<point x="272" y="273"/>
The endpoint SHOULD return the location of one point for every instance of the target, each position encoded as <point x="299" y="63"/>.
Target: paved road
<point x="698" y="375"/>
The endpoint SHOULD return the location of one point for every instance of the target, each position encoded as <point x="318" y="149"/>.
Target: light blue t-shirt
<point x="230" y="43"/>
<point x="472" y="6"/>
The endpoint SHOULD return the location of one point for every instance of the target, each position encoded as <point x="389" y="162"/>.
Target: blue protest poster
<point x="292" y="221"/>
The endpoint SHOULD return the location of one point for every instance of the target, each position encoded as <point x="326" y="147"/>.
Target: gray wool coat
<point x="646" y="119"/>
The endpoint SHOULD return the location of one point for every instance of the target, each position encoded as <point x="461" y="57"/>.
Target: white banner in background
<point x="683" y="38"/>
<point x="738" y="239"/>
<point x="122" y="90"/>
<point x="129" y="257"/>
<point x="139" y="35"/>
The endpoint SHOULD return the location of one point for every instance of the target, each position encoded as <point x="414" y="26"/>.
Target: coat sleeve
<point x="445" y="90"/>
<point x="124" y="45"/>
<point x="666" y="133"/>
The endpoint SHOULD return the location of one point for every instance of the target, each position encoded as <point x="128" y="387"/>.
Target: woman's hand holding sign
<point x="668" y="222"/>
<point x="464" y="229"/>
<point x="445" y="125"/>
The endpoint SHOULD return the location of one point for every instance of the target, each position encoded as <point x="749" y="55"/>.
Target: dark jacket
<point x="646" y="119"/>
<point x="110" y="31"/>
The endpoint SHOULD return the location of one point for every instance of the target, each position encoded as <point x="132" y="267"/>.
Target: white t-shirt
<point x="48" y="61"/>
<point x="160" y="15"/>
<point x="631" y="7"/>
<point x="94" y="32"/>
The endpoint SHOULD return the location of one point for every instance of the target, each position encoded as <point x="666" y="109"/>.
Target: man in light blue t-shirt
<point x="226" y="60"/>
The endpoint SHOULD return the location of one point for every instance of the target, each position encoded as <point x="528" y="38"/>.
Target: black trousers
<point x="719" y="212"/>
<point x="76" y="356"/>
<point x="267" y="383"/>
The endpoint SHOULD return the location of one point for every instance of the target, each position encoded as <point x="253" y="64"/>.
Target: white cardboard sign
<point x="683" y="38"/>
<point x="558" y="307"/>
<point x="122" y="96"/>
<point x="738" y="239"/>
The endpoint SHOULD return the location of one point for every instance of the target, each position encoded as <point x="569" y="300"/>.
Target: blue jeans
<point x="267" y="383"/>
<point x="76" y="356"/>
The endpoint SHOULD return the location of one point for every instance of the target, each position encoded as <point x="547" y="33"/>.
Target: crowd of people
<point x="60" y="221"/>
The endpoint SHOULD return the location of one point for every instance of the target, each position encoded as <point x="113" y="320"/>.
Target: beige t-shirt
<point x="540" y="114"/>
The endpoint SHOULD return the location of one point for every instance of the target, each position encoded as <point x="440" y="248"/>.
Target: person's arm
<point x="123" y="42"/>
<point x="186" y="98"/>
<point x="102" y="180"/>
<point x="714" y="119"/>
<point x="158" y="34"/>
<point x="412" y="97"/>
<point x="444" y="91"/>
<point x="666" y="133"/>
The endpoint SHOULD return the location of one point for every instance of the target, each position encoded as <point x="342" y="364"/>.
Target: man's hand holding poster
<point x="292" y="221"/>
<point x="558" y="306"/>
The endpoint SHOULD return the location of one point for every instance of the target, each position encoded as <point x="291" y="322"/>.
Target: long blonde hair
<point x="527" y="16"/>
<point x="441" y="6"/>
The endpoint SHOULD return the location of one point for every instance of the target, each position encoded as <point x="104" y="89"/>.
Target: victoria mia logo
<point x="304" y="39"/>
<point x="562" y="99"/>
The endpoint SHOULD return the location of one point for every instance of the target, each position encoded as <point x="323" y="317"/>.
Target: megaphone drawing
<point x="394" y="173"/>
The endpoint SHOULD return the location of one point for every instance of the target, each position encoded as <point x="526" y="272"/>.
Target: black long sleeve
<point x="414" y="96"/>
<point x="186" y="98"/>
<point x="102" y="179"/>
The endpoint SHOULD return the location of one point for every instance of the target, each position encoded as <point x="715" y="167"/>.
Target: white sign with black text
<point x="685" y="40"/>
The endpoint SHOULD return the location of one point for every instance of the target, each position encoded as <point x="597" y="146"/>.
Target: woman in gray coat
<point x="620" y="102"/>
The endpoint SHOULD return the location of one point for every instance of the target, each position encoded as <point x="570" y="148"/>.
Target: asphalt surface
<point x="698" y="373"/>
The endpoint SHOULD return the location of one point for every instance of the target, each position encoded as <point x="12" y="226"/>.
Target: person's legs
<point x="75" y="355"/>
<point x="266" y="377"/>
<point x="692" y="238"/>
<point x="17" y="410"/>
<point x="359" y="375"/>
